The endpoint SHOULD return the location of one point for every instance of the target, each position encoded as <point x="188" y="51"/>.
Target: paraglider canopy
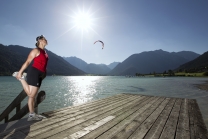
<point x="101" y="42"/>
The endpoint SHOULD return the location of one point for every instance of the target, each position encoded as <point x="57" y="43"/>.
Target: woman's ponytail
<point x="37" y="44"/>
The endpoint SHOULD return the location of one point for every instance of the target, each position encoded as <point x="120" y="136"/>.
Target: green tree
<point x="171" y="73"/>
<point x="137" y="74"/>
<point x="164" y="72"/>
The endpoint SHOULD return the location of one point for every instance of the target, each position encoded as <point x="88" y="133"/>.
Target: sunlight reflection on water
<point x="71" y="90"/>
<point x="81" y="89"/>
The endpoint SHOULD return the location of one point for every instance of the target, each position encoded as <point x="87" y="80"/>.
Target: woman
<point x="35" y="74"/>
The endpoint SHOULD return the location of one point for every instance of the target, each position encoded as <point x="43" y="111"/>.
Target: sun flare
<point x="83" y="21"/>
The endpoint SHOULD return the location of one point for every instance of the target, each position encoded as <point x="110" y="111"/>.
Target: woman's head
<point x="41" y="41"/>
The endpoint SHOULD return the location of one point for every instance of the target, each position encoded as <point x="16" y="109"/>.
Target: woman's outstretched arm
<point x="30" y="57"/>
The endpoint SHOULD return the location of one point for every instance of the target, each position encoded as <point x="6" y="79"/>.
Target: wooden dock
<point x="118" y="117"/>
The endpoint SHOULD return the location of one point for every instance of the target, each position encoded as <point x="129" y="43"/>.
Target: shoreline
<point x="203" y="86"/>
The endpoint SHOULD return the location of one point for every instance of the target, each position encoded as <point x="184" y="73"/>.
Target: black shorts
<point x="35" y="76"/>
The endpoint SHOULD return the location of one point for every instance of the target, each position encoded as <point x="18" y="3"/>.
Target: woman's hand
<point x="19" y="75"/>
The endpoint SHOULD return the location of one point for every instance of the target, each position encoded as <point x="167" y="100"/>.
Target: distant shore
<point x="203" y="86"/>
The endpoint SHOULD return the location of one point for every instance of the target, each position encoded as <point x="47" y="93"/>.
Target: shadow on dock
<point x="9" y="130"/>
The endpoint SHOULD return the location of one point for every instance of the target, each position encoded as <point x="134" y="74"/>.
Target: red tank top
<point x="40" y="62"/>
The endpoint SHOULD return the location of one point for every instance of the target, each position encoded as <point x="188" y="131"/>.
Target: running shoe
<point x="23" y="75"/>
<point x="34" y="117"/>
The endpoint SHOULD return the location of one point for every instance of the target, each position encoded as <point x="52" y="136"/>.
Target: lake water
<point x="63" y="91"/>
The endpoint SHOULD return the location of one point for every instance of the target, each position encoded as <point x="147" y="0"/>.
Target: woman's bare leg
<point x="31" y="98"/>
<point x="31" y="92"/>
<point x="25" y="87"/>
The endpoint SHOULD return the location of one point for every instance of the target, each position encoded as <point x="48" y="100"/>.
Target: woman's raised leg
<point x="25" y="86"/>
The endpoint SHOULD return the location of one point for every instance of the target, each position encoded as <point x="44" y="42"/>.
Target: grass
<point x="183" y="74"/>
<point x="201" y="74"/>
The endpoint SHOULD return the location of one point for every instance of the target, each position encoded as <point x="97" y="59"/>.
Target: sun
<point x="83" y="21"/>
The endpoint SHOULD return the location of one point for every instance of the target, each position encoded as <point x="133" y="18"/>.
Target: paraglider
<point x="101" y="42"/>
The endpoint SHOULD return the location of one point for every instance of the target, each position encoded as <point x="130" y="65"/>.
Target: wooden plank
<point x="147" y="124"/>
<point x="202" y="130"/>
<point x="130" y="128"/>
<point x="8" y="127"/>
<point x="86" y="130"/>
<point x="116" y="112"/>
<point x="15" y="135"/>
<point x="170" y="127"/>
<point x="83" y="108"/>
<point x="183" y="131"/>
<point x="28" y="123"/>
<point x="6" y="118"/>
<point x="117" y="128"/>
<point x="86" y="104"/>
<point x="18" y="107"/>
<point x="98" y="107"/>
<point x="156" y="129"/>
<point x="5" y="136"/>
<point x="74" y="115"/>
<point x="199" y="127"/>
<point x="97" y="111"/>
<point x="78" y="120"/>
<point x="63" y="125"/>
<point x="134" y="116"/>
<point x="142" y="107"/>
<point x="191" y="118"/>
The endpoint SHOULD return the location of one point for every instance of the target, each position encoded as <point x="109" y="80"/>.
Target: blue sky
<point x="125" y="26"/>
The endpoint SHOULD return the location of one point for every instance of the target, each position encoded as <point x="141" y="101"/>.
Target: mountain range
<point x="156" y="61"/>
<point x="200" y="64"/>
<point x="10" y="61"/>
<point x="13" y="56"/>
<point x="91" y="68"/>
